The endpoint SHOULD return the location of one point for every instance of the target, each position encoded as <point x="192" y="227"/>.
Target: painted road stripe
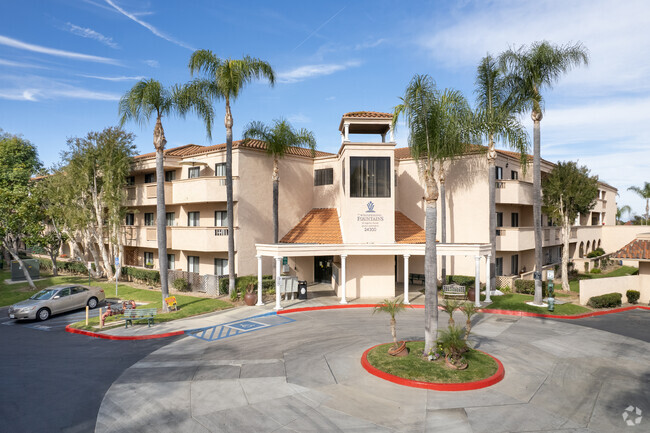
<point x="237" y="327"/>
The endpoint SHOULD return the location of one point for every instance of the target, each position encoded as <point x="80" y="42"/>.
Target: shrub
<point x="595" y="271"/>
<point x="505" y="289"/>
<point x="146" y="276"/>
<point x="608" y="300"/>
<point x="45" y="264"/>
<point x="243" y="281"/>
<point x="461" y="280"/>
<point x="632" y="296"/>
<point x="528" y="287"/>
<point x="181" y="285"/>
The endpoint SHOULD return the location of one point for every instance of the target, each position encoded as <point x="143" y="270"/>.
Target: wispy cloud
<point x="85" y="32"/>
<point x="34" y="88"/>
<point x="310" y="71"/>
<point x="369" y="44"/>
<point x="20" y="64"/>
<point x="122" y="78"/>
<point x="148" y="26"/>
<point x="14" y="43"/>
<point x="299" y="118"/>
<point x="152" y="63"/>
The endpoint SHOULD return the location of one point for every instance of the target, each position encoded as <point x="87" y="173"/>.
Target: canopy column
<point x="488" y="286"/>
<point x="343" y="300"/>
<point x="278" y="262"/>
<point x="477" y="282"/>
<point x="406" y="278"/>
<point x="259" y="280"/>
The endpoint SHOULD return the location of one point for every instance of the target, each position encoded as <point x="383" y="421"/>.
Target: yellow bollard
<point x="100" y="319"/>
<point x="86" y="315"/>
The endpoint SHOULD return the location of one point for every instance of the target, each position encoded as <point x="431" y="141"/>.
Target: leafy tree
<point x="439" y="125"/>
<point x="147" y="98"/>
<point x="530" y="71"/>
<point x="496" y="120"/>
<point x="568" y="191"/>
<point x="279" y="138"/>
<point x="224" y="79"/>
<point x="392" y="308"/>
<point x="622" y="210"/>
<point x="20" y="216"/>
<point x="50" y="240"/>
<point x="643" y="193"/>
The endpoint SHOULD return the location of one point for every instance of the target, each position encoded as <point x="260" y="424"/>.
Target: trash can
<point x="302" y="289"/>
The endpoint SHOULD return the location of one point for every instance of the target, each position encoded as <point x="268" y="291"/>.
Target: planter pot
<point x="249" y="299"/>
<point x="471" y="293"/>
<point x="401" y="349"/>
<point x="453" y="366"/>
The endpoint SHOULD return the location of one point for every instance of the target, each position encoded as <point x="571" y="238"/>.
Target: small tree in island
<point x="392" y="308"/>
<point x="568" y="190"/>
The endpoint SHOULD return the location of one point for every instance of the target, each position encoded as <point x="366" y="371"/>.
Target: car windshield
<point x="44" y="294"/>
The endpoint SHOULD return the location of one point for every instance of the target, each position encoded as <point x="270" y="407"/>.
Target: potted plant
<point x="454" y="345"/>
<point x="148" y="265"/>
<point x="393" y="308"/>
<point x="249" y="297"/>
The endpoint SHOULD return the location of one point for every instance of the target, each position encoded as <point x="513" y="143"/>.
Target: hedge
<point x="147" y="276"/>
<point x="528" y="287"/>
<point x="71" y="267"/>
<point x="461" y="280"/>
<point x="608" y="300"/>
<point x="596" y="253"/>
<point x="242" y="282"/>
<point x="633" y="296"/>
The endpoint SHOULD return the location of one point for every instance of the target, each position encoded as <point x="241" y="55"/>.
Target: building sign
<point x="370" y="219"/>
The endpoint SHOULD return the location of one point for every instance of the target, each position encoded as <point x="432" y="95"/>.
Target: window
<point x="171" y="261"/>
<point x="130" y="180"/>
<point x="514" y="175"/>
<point x="514" y="264"/>
<point x="149" y="177"/>
<point x="193" y="172"/>
<point x="171" y="219"/>
<point x="369" y="177"/>
<point x="193" y="264"/>
<point x="76" y="290"/>
<point x="499" y="172"/>
<point x="64" y="292"/>
<point x="148" y="219"/>
<point x="221" y="267"/>
<point x="170" y="175"/>
<point x="514" y="219"/>
<point x="130" y="219"/>
<point x="148" y="259"/>
<point x="220" y="169"/>
<point x="220" y="218"/>
<point x="324" y="176"/>
<point x="499" y="266"/>
<point x="193" y="219"/>
<point x="499" y="219"/>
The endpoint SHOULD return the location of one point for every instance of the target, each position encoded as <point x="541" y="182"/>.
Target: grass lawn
<point x="517" y="301"/>
<point x="620" y="272"/>
<point x="413" y="367"/>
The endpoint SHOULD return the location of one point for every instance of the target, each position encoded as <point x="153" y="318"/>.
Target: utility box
<point x="33" y="267"/>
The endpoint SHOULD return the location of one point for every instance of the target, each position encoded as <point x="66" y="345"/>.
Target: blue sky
<point x="65" y="63"/>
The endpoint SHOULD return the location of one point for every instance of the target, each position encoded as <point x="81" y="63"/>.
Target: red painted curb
<point x="121" y="337"/>
<point x="436" y="386"/>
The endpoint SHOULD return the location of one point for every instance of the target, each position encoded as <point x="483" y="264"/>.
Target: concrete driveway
<point x="305" y="376"/>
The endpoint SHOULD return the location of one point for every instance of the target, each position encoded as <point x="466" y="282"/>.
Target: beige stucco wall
<point x="369" y="277"/>
<point x="601" y="286"/>
<point x="616" y="237"/>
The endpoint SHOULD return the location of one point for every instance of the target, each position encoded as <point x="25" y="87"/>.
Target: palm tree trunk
<point x="229" y="201"/>
<point x="492" y="212"/>
<point x="430" y="265"/>
<point x="161" y="223"/>
<point x="393" y="331"/>
<point x="443" y="224"/>
<point x="537" y="207"/>
<point x="565" y="254"/>
<point x="276" y="188"/>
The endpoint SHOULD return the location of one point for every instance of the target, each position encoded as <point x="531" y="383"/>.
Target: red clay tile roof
<point x="407" y="231"/>
<point x="371" y="114"/>
<point x="638" y="249"/>
<point x="319" y="226"/>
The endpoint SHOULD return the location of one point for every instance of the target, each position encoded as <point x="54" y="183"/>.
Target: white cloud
<point x="122" y="78"/>
<point x="33" y="88"/>
<point x="148" y="26"/>
<point x="298" y="118"/>
<point x="369" y="44"/>
<point x="85" y="32"/>
<point x="54" y="52"/>
<point x="152" y="63"/>
<point x="20" y="64"/>
<point x="310" y="71"/>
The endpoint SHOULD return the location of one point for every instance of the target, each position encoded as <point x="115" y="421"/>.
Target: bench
<point x="144" y="313"/>
<point x="171" y="303"/>
<point x="454" y="291"/>
<point x="416" y="277"/>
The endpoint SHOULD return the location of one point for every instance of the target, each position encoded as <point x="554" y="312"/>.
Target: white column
<point x="406" y="278"/>
<point x="278" y="262"/>
<point x="477" y="282"/>
<point x="488" y="287"/>
<point x="346" y="128"/>
<point x="259" y="280"/>
<point x="342" y="279"/>
<point x="392" y="138"/>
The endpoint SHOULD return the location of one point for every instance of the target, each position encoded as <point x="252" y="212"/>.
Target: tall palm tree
<point x="622" y="210"/>
<point x="438" y="123"/>
<point x="279" y="139"/>
<point x="224" y="79"/>
<point x="530" y="71"/>
<point x="496" y="119"/>
<point x="149" y="97"/>
<point x="643" y="193"/>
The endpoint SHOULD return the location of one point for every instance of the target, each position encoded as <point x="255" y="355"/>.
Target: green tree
<point x="20" y="213"/>
<point x="496" y="120"/>
<point x="391" y="308"/>
<point x="439" y="125"/>
<point x="150" y="97"/>
<point x="279" y="138"/>
<point x="620" y="211"/>
<point x="531" y="71"/>
<point x="224" y="79"/>
<point x="643" y="193"/>
<point x="568" y="191"/>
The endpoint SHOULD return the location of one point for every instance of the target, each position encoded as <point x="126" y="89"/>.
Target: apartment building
<point x="354" y="218"/>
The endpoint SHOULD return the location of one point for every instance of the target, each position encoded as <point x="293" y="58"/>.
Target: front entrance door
<point x="323" y="269"/>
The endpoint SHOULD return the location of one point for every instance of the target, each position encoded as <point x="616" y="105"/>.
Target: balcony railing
<point x="206" y="239"/>
<point x="203" y="190"/>
<point x="523" y="238"/>
<point x="514" y="192"/>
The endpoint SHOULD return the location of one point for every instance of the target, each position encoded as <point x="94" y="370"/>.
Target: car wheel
<point x="92" y="303"/>
<point x="43" y="314"/>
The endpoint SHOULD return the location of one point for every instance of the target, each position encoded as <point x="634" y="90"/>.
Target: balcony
<point x="523" y="238"/>
<point x="144" y="236"/>
<point x="207" y="239"/>
<point x="514" y="192"/>
<point x="202" y="190"/>
<point x="145" y="194"/>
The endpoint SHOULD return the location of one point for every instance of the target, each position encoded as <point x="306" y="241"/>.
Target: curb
<point x="436" y="386"/>
<point x="121" y="337"/>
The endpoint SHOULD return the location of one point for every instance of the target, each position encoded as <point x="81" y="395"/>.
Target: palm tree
<point x="438" y="125"/>
<point x="391" y="307"/>
<point x="279" y="138"/>
<point x="450" y="305"/>
<point x="622" y="210"/>
<point x="530" y="72"/>
<point x="224" y="80"/>
<point x="470" y="310"/>
<point x="643" y="193"/>
<point x="496" y="119"/>
<point x="149" y="97"/>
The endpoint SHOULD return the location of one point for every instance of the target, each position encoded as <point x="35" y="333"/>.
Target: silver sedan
<point x="57" y="299"/>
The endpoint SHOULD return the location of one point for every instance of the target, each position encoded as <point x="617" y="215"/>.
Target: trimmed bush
<point x="243" y="281"/>
<point x="609" y="300"/>
<point x="181" y="285"/>
<point x="461" y="280"/>
<point x="633" y="296"/>
<point x="145" y="276"/>
<point x="596" y="253"/>
<point x="595" y="271"/>
<point x="528" y="287"/>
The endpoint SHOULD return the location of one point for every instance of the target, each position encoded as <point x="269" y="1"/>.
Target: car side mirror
<point x="56" y="297"/>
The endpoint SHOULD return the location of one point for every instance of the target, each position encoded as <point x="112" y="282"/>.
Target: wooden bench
<point x="171" y="303"/>
<point x="416" y="277"/>
<point x="454" y="291"/>
<point x="144" y="313"/>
